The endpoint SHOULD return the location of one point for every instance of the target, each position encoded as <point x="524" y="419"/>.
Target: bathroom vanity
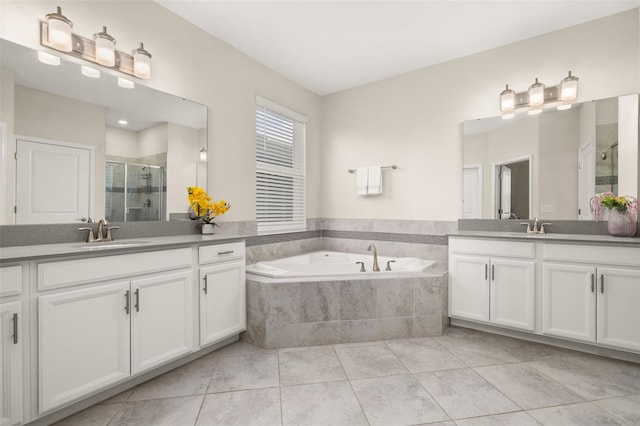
<point x="81" y="322"/>
<point x="554" y="288"/>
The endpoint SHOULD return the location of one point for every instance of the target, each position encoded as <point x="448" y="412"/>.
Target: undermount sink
<point x="111" y="244"/>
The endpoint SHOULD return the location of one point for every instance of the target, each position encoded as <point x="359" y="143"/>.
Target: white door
<point x="11" y="408"/>
<point x="469" y="287"/>
<point x="52" y="182"/>
<point x="505" y="192"/>
<point x="569" y="301"/>
<point x="586" y="178"/>
<point x="618" y="308"/>
<point x="83" y="338"/>
<point x="161" y="319"/>
<point x="513" y="293"/>
<point x="472" y="192"/>
<point x="222" y="301"/>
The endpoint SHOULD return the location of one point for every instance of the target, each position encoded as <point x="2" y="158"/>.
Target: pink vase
<point x="622" y="224"/>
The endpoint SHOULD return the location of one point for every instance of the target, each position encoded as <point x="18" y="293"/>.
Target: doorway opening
<point x="512" y="189"/>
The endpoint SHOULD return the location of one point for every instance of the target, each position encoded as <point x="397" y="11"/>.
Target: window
<point x="280" y="168"/>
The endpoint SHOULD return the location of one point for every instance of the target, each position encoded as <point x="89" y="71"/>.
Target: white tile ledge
<point x="24" y="253"/>
<point x="574" y="238"/>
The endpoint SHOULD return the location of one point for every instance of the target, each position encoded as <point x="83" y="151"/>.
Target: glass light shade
<point x="59" y="32"/>
<point x="203" y="154"/>
<point x="141" y="63"/>
<point x="105" y="48"/>
<point x="569" y="88"/>
<point x="536" y="94"/>
<point x="507" y="100"/>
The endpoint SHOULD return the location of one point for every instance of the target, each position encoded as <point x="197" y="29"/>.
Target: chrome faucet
<point x="376" y="267"/>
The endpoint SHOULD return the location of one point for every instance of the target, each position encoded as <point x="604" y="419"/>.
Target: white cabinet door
<point x="513" y="293"/>
<point x="619" y="308"/>
<point x="161" y="319"/>
<point x="83" y="338"/>
<point x="11" y="408"/>
<point x="469" y="287"/>
<point x="569" y="301"/>
<point x="222" y="301"/>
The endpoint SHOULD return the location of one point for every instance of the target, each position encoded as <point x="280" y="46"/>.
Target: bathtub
<point x="335" y="264"/>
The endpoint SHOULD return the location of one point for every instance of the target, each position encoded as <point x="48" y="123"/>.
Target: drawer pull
<point x="486" y="271"/>
<point x="126" y="302"/>
<point x="220" y="253"/>
<point x="15" y="329"/>
<point x="602" y="283"/>
<point x="205" y="284"/>
<point x="137" y="305"/>
<point x="593" y="283"/>
<point x="493" y="272"/>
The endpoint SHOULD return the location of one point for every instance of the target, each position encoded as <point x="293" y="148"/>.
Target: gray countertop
<point x="570" y="238"/>
<point x="120" y="246"/>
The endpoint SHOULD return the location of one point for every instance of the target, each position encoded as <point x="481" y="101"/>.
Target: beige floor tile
<point x="252" y="371"/>
<point x="98" y="415"/>
<point x="309" y="365"/>
<point x="626" y="409"/>
<point x="159" y="412"/>
<point x="424" y="354"/>
<point x="257" y="407"/>
<point x="584" y="414"/>
<point x="369" y="361"/>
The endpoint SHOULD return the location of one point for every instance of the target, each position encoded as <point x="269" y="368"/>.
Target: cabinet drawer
<point x="72" y="272"/>
<point x="219" y="252"/>
<point x="624" y="256"/>
<point x="484" y="247"/>
<point x="10" y="280"/>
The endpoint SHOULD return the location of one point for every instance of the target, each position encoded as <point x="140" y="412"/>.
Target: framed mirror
<point x="549" y="165"/>
<point x="93" y="143"/>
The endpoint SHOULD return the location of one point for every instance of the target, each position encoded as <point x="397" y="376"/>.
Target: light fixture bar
<point x="84" y="48"/>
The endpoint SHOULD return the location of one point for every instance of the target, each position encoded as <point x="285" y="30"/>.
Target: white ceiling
<point x="328" y="46"/>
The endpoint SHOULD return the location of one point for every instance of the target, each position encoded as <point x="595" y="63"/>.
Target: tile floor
<point x="463" y="378"/>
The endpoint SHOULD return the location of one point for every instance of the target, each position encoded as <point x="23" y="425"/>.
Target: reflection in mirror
<point x="143" y="146"/>
<point x="550" y="165"/>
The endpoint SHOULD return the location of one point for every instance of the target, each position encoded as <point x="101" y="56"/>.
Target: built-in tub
<point x="322" y="298"/>
<point x="334" y="264"/>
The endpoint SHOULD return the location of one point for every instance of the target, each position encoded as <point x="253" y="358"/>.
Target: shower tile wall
<point x="607" y="169"/>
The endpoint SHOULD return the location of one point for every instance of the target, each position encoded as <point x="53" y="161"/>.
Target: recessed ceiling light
<point x="90" y="72"/>
<point x="49" y="59"/>
<point x="127" y="84"/>
<point x="123" y="122"/>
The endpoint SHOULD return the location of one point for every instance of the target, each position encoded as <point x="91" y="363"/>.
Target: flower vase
<point x="622" y="224"/>
<point x="207" y="228"/>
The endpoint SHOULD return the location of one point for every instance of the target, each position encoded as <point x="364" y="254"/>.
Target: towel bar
<point x="383" y="167"/>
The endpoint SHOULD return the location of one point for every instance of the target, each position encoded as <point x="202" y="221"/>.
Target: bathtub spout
<point x="376" y="267"/>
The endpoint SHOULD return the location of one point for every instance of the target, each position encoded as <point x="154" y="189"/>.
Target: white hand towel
<point x="362" y="179"/>
<point x="374" y="182"/>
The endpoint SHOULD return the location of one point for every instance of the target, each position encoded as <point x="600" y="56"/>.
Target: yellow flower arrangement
<point x="203" y="207"/>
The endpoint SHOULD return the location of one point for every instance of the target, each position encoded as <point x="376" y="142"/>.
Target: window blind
<point x="280" y="169"/>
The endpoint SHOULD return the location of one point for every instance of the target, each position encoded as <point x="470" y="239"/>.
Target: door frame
<point x="92" y="169"/>
<point x="495" y="169"/>
<point x="480" y="183"/>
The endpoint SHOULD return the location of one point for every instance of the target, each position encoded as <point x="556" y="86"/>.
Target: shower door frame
<point x="160" y="185"/>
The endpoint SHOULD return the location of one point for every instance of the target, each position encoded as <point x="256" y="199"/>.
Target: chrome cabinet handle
<point x="486" y="271"/>
<point x="602" y="283"/>
<point x="593" y="283"/>
<point x="126" y="302"/>
<point x="205" y="284"/>
<point x="15" y="329"/>
<point x="493" y="272"/>
<point x="220" y="253"/>
<point x="137" y="305"/>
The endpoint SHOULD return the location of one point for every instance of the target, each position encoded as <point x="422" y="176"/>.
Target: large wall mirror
<point x="549" y="165"/>
<point x="93" y="147"/>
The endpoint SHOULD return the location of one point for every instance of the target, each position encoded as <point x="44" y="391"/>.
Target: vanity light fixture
<point x="59" y="31"/>
<point x="89" y="72"/>
<point x="127" y="84"/>
<point x="105" y="48"/>
<point x="55" y="32"/>
<point x="539" y="96"/>
<point x="49" y="59"/>
<point x="203" y="154"/>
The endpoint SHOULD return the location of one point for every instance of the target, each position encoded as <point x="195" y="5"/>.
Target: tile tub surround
<point x="295" y="312"/>
<point x="382" y="383"/>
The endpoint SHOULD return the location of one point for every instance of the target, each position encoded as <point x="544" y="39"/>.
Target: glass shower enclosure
<point x="134" y="192"/>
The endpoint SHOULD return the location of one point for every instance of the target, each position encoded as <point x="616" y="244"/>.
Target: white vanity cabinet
<point x="492" y="282"/>
<point x="118" y="320"/>
<point x="592" y="294"/>
<point x="12" y="346"/>
<point x="222" y="283"/>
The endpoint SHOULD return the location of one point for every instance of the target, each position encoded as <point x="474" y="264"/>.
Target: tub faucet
<point x="376" y="267"/>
